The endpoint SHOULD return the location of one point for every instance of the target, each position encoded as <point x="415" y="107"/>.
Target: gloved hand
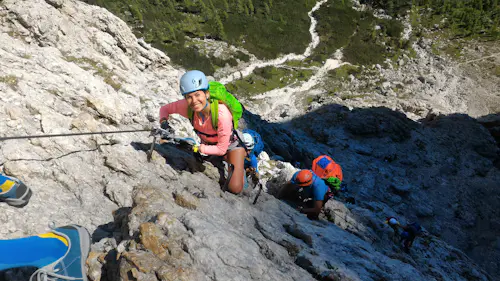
<point x="250" y="170"/>
<point x="164" y="124"/>
<point x="255" y="177"/>
<point x="196" y="153"/>
<point x="165" y="133"/>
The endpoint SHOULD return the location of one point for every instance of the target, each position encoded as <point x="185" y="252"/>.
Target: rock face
<point x="441" y="171"/>
<point x="71" y="67"/>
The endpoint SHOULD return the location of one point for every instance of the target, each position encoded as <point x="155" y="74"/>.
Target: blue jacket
<point x="316" y="190"/>
<point x="251" y="161"/>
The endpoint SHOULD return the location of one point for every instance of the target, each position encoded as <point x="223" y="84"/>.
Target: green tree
<point x="171" y="31"/>
<point x="226" y="5"/>
<point x="251" y="7"/>
<point x="267" y="11"/>
<point x="479" y="5"/>
<point x="390" y="7"/>
<point x="170" y="6"/>
<point x="219" y="28"/>
<point x="240" y="6"/>
<point x="205" y="12"/>
<point x="446" y="7"/>
<point x="224" y="15"/>
<point x="136" y="13"/>
<point x="212" y="8"/>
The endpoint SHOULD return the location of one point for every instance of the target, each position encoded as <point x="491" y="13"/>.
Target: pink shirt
<point x="223" y="134"/>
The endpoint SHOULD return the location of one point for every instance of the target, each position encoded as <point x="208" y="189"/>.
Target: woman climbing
<point x="214" y="119"/>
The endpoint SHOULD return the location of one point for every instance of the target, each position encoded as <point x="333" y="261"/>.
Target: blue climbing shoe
<point x="71" y="266"/>
<point x="14" y="192"/>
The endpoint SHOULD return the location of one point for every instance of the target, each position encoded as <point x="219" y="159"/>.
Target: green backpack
<point x="219" y="94"/>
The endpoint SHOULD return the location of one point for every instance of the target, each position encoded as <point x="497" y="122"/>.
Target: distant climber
<point x="394" y="224"/>
<point x="328" y="170"/>
<point x="410" y="232"/>
<point x="58" y="255"/>
<point x="307" y="188"/>
<point x="255" y="146"/>
<point x="214" y="114"/>
<point x="14" y="192"/>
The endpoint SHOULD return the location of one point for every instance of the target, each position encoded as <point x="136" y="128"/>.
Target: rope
<point x="72" y="134"/>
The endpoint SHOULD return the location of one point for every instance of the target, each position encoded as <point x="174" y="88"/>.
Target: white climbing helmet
<point x="249" y="141"/>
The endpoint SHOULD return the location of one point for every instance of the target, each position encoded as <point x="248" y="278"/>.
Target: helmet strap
<point x="206" y="104"/>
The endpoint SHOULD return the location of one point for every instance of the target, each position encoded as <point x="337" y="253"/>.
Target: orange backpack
<point x="324" y="167"/>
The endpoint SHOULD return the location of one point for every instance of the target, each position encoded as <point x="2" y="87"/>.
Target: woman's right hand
<point x="164" y="124"/>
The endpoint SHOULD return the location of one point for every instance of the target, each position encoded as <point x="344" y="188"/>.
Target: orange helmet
<point x="304" y="178"/>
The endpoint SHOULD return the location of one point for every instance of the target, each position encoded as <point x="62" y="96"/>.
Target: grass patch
<point x="468" y="18"/>
<point x="144" y="100"/>
<point x="340" y="26"/>
<point x="371" y="46"/>
<point x="11" y="80"/>
<point x="266" y="28"/>
<point x="242" y="56"/>
<point x="334" y="90"/>
<point x="266" y="79"/>
<point x="435" y="49"/>
<point x="108" y="80"/>
<point x="336" y="77"/>
<point x="412" y="53"/>
<point x="98" y="68"/>
<point x="496" y="71"/>
<point x="303" y="64"/>
<point x="453" y="50"/>
<point x="458" y="19"/>
<point x="344" y="71"/>
<point x="54" y="92"/>
<point x="310" y="100"/>
<point x="336" y="24"/>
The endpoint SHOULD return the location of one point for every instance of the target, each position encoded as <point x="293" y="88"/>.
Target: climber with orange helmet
<point x="310" y="186"/>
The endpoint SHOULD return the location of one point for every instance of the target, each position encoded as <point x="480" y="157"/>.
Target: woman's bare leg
<point x="237" y="158"/>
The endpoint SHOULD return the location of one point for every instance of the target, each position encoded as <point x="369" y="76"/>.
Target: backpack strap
<point x="214" y="110"/>
<point x="247" y="151"/>
<point x="190" y="115"/>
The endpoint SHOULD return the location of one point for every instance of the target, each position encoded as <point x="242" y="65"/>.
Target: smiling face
<point x="197" y="100"/>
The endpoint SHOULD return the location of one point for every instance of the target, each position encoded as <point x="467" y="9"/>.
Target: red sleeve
<point x="179" y="107"/>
